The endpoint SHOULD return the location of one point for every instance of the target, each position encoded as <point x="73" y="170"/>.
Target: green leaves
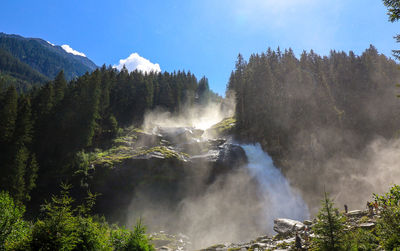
<point x="125" y="240"/>
<point x="329" y="229"/>
<point x="65" y="227"/>
<point x="12" y="227"/>
<point x="388" y="225"/>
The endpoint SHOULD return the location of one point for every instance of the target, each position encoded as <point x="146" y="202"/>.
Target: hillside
<point x="14" y="72"/>
<point x="44" y="57"/>
<point x="322" y="118"/>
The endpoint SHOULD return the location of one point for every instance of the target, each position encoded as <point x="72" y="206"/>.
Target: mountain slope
<point x="21" y="75"/>
<point x="44" y="57"/>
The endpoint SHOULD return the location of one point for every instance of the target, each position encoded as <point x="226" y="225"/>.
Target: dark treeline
<point x="42" y="131"/>
<point x="284" y="102"/>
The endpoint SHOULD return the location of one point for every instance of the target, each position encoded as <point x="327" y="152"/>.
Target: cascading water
<point x="279" y="200"/>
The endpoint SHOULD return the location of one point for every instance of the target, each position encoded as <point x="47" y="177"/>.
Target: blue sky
<point x="203" y="36"/>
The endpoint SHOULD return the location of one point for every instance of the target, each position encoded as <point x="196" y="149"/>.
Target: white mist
<point x="278" y="198"/>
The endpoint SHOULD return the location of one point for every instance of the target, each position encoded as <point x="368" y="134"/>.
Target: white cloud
<point x="136" y="62"/>
<point x="50" y="43"/>
<point x="68" y="49"/>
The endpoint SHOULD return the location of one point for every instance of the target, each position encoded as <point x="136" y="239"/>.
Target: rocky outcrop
<point x="287" y="226"/>
<point x="159" y="160"/>
<point x="287" y="230"/>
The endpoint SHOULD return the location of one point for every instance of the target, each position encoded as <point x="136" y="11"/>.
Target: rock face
<point x="287" y="226"/>
<point x="159" y="160"/>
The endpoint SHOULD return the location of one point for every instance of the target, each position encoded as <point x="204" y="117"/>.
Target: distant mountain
<point x="14" y="72"/>
<point x="46" y="58"/>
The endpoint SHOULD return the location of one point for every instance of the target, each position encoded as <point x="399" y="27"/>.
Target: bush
<point x="68" y="228"/>
<point x="58" y="229"/>
<point x="388" y="226"/>
<point x="361" y="240"/>
<point x="65" y="227"/>
<point x="124" y="240"/>
<point x="12" y="227"/>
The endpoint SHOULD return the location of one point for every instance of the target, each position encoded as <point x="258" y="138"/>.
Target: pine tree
<point x="329" y="229"/>
<point x="60" y="84"/>
<point x="8" y="115"/>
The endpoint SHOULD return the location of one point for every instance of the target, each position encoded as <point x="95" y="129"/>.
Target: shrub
<point x="123" y="239"/>
<point x="12" y="227"/>
<point x="361" y="240"/>
<point x="68" y="228"/>
<point x="388" y="225"/>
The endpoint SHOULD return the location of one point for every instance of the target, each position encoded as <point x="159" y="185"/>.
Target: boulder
<point x="356" y="213"/>
<point x="287" y="226"/>
<point x="231" y="155"/>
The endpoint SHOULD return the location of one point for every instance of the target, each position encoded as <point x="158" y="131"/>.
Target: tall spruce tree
<point x="329" y="229"/>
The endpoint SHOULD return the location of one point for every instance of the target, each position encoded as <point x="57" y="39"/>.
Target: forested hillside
<point x="21" y="75"/>
<point x="42" y="131"/>
<point x="313" y="113"/>
<point x="44" y="57"/>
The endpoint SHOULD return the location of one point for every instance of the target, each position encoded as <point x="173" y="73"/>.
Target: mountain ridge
<point x="44" y="57"/>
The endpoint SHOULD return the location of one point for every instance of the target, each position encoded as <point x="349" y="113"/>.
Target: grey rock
<point x="356" y="213"/>
<point x="231" y="155"/>
<point x="287" y="226"/>
<point x="307" y="222"/>
<point x="367" y="225"/>
<point x="164" y="249"/>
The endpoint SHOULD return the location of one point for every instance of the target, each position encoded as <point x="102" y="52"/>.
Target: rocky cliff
<point x="160" y="161"/>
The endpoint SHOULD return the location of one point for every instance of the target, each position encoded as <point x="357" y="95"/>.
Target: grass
<point x="224" y="126"/>
<point x="118" y="154"/>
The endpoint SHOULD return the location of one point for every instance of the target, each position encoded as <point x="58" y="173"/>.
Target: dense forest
<point x="279" y="96"/>
<point x="313" y="113"/>
<point x="43" y="130"/>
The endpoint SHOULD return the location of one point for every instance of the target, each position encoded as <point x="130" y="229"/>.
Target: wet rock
<point x="307" y="222"/>
<point x="148" y="139"/>
<point x="179" y="134"/>
<point x="214" y="143"/>
<point x="231" y="155"/>
<point x="164" y="249"/>
<point x="356" y="213"/>
<point x="287" y="226"/>
<point x="367" y="225"/>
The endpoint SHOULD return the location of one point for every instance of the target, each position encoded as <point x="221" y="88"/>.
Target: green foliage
<point x="19" y="165"/>
<point x="125" y="240"/>
<point x="57" y="230"/>
<point x="12" y="227"/>
<point x="360" y="240"/>
<point x="393" y="9"/>
<point x="394" y="15"/>
<point x="223" y="127"/>
<point x="19" y="74"/>
<point x="8" y="114"/>
<point x="388" y="225"/>
<point x="65" y="227"/>
<point x="329" y="229"/>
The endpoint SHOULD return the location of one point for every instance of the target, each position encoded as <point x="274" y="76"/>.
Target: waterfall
<point x="279" y="200"/>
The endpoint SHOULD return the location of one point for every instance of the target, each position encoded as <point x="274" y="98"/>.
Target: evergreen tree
<point x="60" y="84"/>
<point x="8" y="114"/>
<point x="329" y="229"/>
<point x="394" y="15"/>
